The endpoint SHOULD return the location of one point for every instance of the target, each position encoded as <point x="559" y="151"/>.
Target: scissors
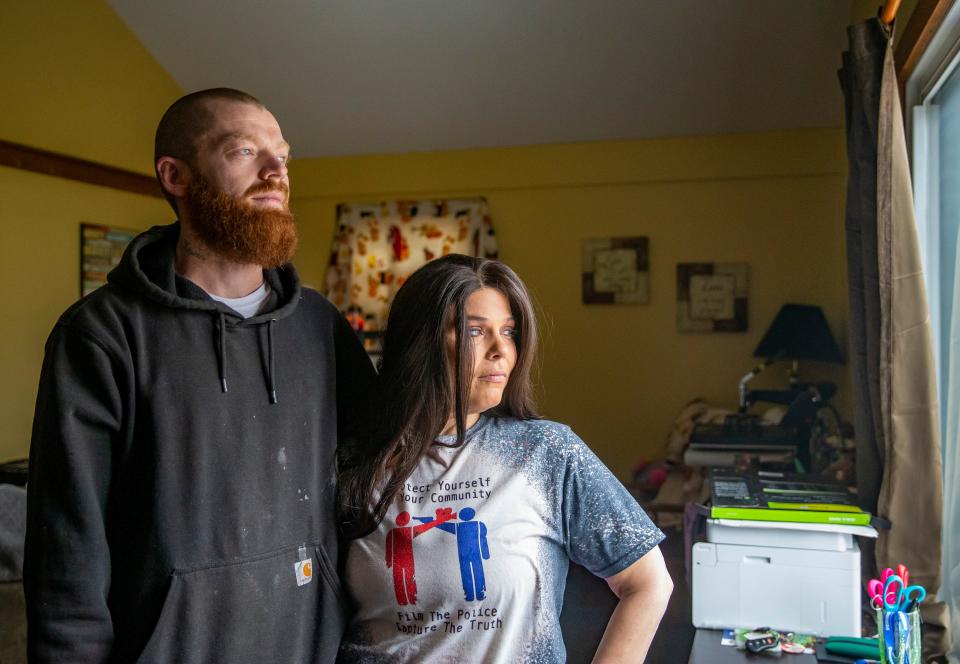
<point x="875" y="588"/>
<point x="893" y="594"/>
<point x="904" y="574"/>
<point x="901" y="571"/>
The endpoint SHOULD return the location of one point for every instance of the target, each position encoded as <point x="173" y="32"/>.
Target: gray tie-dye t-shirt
<point x="469" y="564"/>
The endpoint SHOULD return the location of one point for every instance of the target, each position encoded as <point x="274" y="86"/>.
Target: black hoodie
<point x="182" y="472"/>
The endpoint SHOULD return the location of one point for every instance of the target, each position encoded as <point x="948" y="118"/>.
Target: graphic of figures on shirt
<point x="472" y="550"/>
<point x="399" y="551"/>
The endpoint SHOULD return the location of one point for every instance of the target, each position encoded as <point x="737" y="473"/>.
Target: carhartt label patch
<point x="304" y="570"/>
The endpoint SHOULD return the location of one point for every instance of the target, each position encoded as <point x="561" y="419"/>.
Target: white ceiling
<point x="380" y="76"/>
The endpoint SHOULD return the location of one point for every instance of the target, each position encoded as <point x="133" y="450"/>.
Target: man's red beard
<point x="239" y="231"/>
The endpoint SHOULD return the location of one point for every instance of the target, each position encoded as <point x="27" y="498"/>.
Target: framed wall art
<point x="616" y="270"/>
<point x="712" y="297"/>
<point x="100" y="250"/>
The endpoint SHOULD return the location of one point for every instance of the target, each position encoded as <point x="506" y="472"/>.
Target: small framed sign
<point x="616" y="270"/>
<point x="100" y="250"/>
<point x="712" y="297"/>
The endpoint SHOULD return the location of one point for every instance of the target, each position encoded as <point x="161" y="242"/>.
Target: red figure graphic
<point x="399" y="553"/>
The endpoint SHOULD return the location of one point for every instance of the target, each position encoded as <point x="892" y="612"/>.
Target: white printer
<point x="793" y="577"/>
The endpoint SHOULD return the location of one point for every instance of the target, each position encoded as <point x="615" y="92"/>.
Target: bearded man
<point x="181" y="503"/>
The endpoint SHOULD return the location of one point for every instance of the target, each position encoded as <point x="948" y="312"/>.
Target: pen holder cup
<point x="912" y="650"/>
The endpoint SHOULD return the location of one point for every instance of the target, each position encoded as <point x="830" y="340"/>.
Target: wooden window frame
<point x="923" y="24"/>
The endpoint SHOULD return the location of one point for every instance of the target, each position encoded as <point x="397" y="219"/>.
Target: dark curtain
<point x="896" y="412"/>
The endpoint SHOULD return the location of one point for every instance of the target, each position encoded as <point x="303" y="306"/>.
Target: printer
<point x="792" y="577"/>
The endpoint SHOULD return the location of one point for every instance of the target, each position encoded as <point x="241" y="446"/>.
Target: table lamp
<point x="798" y="332"/>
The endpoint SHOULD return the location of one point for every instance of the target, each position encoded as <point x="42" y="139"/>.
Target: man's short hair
<point x="185" y="121"/>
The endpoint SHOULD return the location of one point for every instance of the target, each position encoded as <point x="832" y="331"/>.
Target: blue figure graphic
<point x="472" y="550"/>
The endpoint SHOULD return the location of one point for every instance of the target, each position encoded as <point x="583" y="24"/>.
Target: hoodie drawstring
<point x="222" y="356"/>
<point x="222" y="364"/>
<point x="270" y="376"/>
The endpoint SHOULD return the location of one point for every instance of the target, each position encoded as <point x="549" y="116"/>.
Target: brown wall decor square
<point x="712" y="297"/>
<point x="616" y="270"/>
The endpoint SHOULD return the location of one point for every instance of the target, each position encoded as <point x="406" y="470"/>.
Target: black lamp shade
<point x="799" y="332"/>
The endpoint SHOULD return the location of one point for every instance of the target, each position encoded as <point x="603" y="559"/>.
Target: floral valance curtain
<point x="378" y="245"/>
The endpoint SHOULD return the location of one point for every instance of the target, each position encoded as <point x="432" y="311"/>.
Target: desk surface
<point x="707" y="650"/>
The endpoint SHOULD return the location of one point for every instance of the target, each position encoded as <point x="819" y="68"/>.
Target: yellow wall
<point x="76" y="81"/>
<point x="620" y="374"/>
<point x="83" y="85"/>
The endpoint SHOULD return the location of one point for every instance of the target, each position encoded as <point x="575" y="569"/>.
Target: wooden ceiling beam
<point x="71" y="168"/>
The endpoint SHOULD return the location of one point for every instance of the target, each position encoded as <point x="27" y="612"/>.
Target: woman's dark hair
<point x="418" y="391"/>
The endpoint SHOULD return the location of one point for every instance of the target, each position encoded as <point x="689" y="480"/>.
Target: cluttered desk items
<point x="798" y="332"/>
<point x="734" y="646"/>
<point x="780" y="552"/>
<point x="766" y="640"/>
<point x="739" y="436"/>
<point x="731" y="646"/>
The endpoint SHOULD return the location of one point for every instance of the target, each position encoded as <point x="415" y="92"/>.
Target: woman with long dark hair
<point x="465" y="508"/>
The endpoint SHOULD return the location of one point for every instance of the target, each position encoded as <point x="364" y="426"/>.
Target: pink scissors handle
<point x="904" y="574"/>
<point x="886" y="574"/>
<point x="874" y="588"/>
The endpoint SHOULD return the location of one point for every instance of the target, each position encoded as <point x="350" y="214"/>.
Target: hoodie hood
<point x="147" y="268"/>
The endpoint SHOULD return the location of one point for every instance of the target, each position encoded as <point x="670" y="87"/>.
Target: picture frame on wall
<point x="712" y="297"/>
<point x="616" y="270"/>
<point x="101" y="248"/>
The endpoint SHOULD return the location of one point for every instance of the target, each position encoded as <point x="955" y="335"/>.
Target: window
<point x="933" y="100"/>
<point x="933" y="97"/>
